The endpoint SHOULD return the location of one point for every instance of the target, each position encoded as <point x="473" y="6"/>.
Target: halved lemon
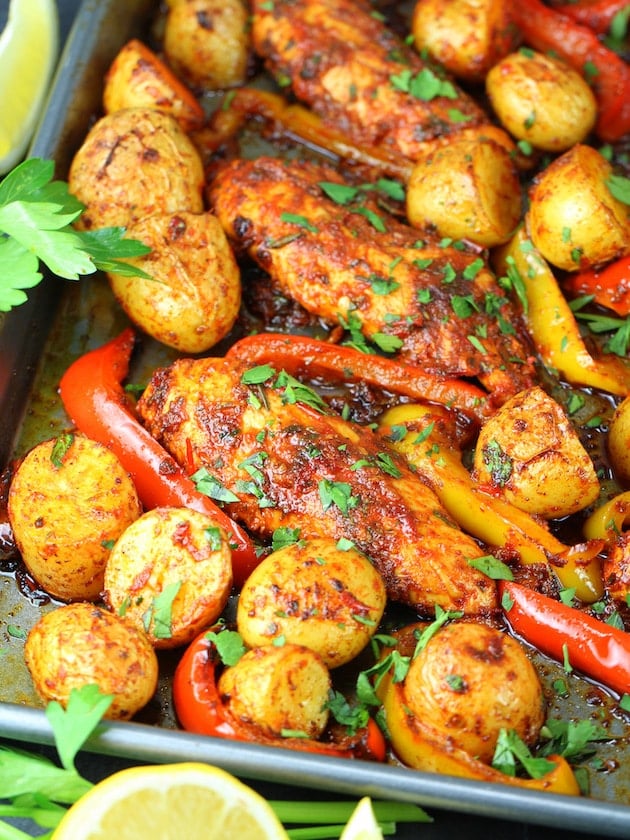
<point x="362" y="825"/>
<point x="168" y="802"/>
<point x="28" y="53"/>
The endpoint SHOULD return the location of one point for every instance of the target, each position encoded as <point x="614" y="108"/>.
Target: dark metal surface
<point x="62" y="320"/>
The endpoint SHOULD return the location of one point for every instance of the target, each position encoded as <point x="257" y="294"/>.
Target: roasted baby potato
<point x="282" y="689"/>
<point x="83" y="644"/>
<point x="467" y="684"/>
<point x="540" y="99"/>
<point x="529" y="451"/>
<point x="170" y="574"/>
<point x="193" y="297"/>
<point x="69" y="500"/>
<point x="465" y="37"/>
<point x="315" y="594"/>
<point x="135" y="163"/>
<point x="619" y="440"/>
<point x="206" y="42"/>
<point x="466" y="189"/>
<point x="138" y="78"/>
<point x="573" y="219"/>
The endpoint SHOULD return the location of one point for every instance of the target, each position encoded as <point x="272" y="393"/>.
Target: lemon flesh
<point x="28" y="53"/>
<point x="362" y="825"/>
<point x="168" y="802"/>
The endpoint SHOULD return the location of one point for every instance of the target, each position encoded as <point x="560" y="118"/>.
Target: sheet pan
<point x="37" y="341"/>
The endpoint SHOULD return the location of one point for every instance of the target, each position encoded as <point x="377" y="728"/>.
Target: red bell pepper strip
<point x="301" y="355"/>
<point x="547" y="30"/>
<point x="610" y="285"/>
<point x="200" y="709"/>
<point x="591" y="646"/>
<point x="95" y="401"/>
<point x="596" y="14"/>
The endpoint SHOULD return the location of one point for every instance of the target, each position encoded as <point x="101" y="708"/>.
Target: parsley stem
<point x="322" y="813"/>
<point x="10" y="832"/>
<point x="329" y="832"/>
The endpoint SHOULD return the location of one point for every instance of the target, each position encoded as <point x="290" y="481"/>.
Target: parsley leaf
<point x="229" y="645"/>
<point x="36" y="216"/>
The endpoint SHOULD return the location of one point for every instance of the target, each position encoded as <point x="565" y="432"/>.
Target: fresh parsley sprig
<point x="36" y="217"/>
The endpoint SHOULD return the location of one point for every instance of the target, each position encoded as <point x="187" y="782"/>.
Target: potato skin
<point x="314" y="594"/>
<point x="137" y="78"/>
<point x="466" y="189"/>
<point x="619" y="440"/>
<point x="194" y="297"/>
<point x="166" y="547"/>
<point x="83" y="644"/>
<point x="279" y="689"/>
<point x="467" y="37"/>
<point x="134" y="163"/>
<point x="206" y="42"/>
<point x="471" y="681"/>
<point x="542" y="100"/>
<point x="529" y="451"/>
<point x="65" y="518"/>
<point x="573" y="219"/>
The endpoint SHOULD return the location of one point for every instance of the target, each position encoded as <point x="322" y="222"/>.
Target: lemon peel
<point x="28" y="53"/>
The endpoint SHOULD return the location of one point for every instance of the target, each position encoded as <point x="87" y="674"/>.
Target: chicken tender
<point x="287" y="464"/>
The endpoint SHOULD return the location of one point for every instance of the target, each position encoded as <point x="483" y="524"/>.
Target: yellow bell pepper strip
<point x="420" y="746"/>
<point x="552" y="324"/>
<point x="297" y="122"/>
<point x="609" y="520"/>
<point x="491" y="519"/>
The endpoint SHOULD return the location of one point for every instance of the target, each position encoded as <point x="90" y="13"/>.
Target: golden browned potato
<point x="529" y="451"/>
<point x="540" y="99"/>
<point x="470" y="682"/>
<point x="616" y="571"/>
<point x="467" y="37"/>
<point x="619" y="440"/>
<point x="138" y="78"/>
<point x="573" y="219"/>
<point x="135" y="163"/>
<point x="315" y="594"/>
<point x="194" y="296"/>
<point x="466" y="189"/>
<point x="282" y="689"/>
<point x="170" y="574"/>
<point x="83" y="644"/>
<point x="206" y="42"/>
<point x="69" y="500"/>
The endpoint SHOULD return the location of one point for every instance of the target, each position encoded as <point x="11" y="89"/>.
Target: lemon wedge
<point x="168" y="802"/>
<point x="362" y="825"/>
<point x="28" y="52"/>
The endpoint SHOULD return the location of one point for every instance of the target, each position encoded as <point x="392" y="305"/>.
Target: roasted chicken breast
<point x="339" y="58"/>
<point x="280" y="462"/>
<point x="349" y="262"/>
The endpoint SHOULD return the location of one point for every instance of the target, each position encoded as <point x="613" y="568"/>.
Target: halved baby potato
<point x="193" y="297"/>
<point x="282" y="689"/>
<point x="83" y="644"/>
<point x="170" y="574"/>
<point x="69" y="500"/>
<point x="530" y="452"/>
<point x="316" y="594"/>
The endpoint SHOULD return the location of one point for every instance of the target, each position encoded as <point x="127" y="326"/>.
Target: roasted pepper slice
<point x="199" y="709"/>
<point x="301" y="355"/>
<point x="591" y="646"/>
<point x="95" y="401"/>
<point x="491" y="519"/>
<point x="552" y="324"/>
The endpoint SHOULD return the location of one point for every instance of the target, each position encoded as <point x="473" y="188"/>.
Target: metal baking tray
<point x="37" y="341"/>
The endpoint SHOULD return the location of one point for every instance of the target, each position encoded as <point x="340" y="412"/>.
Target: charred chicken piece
<point x="358" y="76"/>
<point x="282" y="459"/>
<point x="351" y="263"/>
